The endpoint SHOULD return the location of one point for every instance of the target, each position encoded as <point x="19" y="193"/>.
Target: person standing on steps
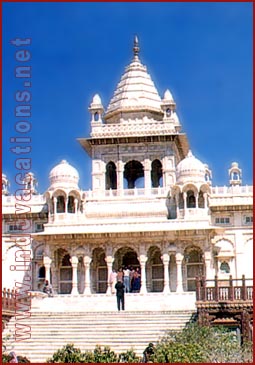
<point x="120" y="294"/>
<point x="126" y="273"/>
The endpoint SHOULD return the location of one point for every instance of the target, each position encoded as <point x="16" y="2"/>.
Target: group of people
<point x="126" y="280"/>
<point x="130" y="277"/>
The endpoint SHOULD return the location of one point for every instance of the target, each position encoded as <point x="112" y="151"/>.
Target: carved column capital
<point x="47" y="261"/>
<point x="109" y="260"/>
<point x="74" y="261"/>
<point x="165" y="258"/>
<point x="179" y="257"/>
<point x="87" y="260"/>
<point x="143" y="259"/>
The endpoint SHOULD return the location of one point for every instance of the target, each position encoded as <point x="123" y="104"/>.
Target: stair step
<point x="50" y="331"/>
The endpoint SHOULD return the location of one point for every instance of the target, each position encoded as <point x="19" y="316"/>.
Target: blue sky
<point x="202" y="52"/>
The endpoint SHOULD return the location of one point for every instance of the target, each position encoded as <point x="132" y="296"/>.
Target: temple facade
<point x="152" y="206"/>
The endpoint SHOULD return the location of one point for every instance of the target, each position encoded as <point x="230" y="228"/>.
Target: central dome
<point x="135" y="91"/>
<point x="64" y="176"/>
<point x="190" y="169"/>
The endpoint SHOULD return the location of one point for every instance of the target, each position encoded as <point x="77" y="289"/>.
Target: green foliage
<point x="247" y="352"/>
<point x="202" y="345"/>
<point x="129" y="356"/>
<point x="68" y="354"/>
<point x="104" y="355"/>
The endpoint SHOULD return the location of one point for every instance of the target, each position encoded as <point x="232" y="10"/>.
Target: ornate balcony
<point x="226" y="302"/>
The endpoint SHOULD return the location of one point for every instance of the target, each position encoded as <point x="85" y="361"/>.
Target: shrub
<point x="129" y="356"/>
<point x="104" y="355"/>
<point x="201" y="344"/>
<point x="68" y="354"/>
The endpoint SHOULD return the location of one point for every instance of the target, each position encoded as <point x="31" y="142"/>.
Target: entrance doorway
<point x="126" y="256"/>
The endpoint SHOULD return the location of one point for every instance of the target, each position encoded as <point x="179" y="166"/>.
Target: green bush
<point x="68" y="354"/>
<point x="129" y="357"/>
<point x="104" y="355"/>
<point x="202" y="345"/>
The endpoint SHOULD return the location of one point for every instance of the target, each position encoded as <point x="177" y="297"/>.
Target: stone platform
<point x="103" y="302"/>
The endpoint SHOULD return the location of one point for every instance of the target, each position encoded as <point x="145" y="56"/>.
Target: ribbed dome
<point x="135" y="91"/>
<point x="190" y="169"/>
<point x="64" y="176"/>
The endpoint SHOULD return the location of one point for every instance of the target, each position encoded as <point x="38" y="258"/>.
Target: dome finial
<point x="136" y="48"/>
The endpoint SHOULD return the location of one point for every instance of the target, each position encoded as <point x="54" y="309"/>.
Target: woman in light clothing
<point x="113" y="281"/>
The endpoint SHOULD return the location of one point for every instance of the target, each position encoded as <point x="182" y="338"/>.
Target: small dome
<point x="190" y="169"/>
<point x="64" y="176"/>
<point x="96" y="104"/>
<point x="234" y="164"/>
<point x="168" y="96"/>
<point x="96" y="99"/>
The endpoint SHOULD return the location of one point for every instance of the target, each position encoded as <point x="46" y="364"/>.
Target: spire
<point x="136" y="48"/>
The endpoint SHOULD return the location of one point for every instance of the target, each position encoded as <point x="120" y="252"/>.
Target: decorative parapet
<point x="136" y="127"/>
<point x="232" y="190"/>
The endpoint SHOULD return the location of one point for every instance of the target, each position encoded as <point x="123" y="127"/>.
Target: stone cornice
<point x="180" y="139"/>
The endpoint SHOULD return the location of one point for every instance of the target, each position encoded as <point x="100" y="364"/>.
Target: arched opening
<point x="193" y="261"/>
<point x="201" y="200"/>
<point x="235" y="176"/>
<point x="96" y="117"/>
<point x="156" y="174"/>
<point x="110" y="176"/>
<point x="154" y="270"/>
<point x="191" y="200"/>
<point x="134" y="174"/>
<point x="39" y="284"/>
<point x="65" y="274"/>
<point x="99" y="272"/>
<point x="126" y="256"/>
<point x="60" y="204"/>
<point x="224" y="268"/>
<point x="80" y="274"/>
<point x="70" y="205"/>
<point x="168" y="112"/>
<point x="173" y="271"/>
<point x="41" y="272"/>
<point x="171" y="207"/>
<point x="181" y="201"/>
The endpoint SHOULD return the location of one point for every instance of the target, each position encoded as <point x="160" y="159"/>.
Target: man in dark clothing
<point x="119" y="286"/>
<point x="148" y="353"/>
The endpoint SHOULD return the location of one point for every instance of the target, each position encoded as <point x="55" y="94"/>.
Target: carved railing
<point x="8" y="300"/>
<point x="224" y="290"/>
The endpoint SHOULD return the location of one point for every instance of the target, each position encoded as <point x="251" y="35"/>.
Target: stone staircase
<point x="87" y="321"/>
